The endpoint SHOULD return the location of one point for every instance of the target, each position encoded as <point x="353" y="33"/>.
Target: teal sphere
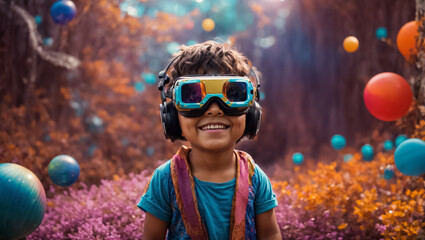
<point x="367" y="152"/>
<point x="297" y="158"/>
<point x="381" y="33"/>
<point x="409" y="157"/>
<point x="173" y="47"/>
<point x="38" y="19"/>
<point x="64" y="170"/>
<point x="388" y="145"/>
<point x="338" y="142"/>
<point x="348" y="157"/>
<point x="150" y="78"/>
<point x="48" y="41"/>
<point x="400" y="138"/>
<point x="22" y="201"/>
<point x="139" y="87"/>
<point x="191" y="42"/>
<point x="389" y="172"/>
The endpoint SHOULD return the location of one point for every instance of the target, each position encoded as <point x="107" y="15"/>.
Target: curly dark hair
<point x="209" y="57"/>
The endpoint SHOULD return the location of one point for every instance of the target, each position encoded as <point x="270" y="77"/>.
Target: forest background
<point x="88" y="89"/>
<point x="104" y="111"/>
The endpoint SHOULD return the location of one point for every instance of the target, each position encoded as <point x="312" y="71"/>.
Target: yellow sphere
<point x="351" y="44"/>
<point x="208" y="24"/>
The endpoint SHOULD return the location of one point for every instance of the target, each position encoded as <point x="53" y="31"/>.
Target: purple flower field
<point x="107" y="211"/>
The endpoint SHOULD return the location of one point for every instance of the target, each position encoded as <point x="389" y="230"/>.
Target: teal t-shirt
<point x="214" y="199"/>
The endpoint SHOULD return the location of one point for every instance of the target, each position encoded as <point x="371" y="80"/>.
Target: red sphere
<point x="387" y="96"/>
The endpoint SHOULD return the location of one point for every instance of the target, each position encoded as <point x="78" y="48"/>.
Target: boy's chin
<point x="215" y="145"/>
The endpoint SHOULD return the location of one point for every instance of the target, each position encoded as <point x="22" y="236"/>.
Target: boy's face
<point x="213" y="131"/>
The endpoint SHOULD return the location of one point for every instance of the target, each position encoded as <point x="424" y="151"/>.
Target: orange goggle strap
<point x="184" y="187"/>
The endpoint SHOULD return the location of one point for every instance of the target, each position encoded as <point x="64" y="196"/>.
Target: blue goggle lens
<point x="192" y="93"/>
<point x="236" y="91"/>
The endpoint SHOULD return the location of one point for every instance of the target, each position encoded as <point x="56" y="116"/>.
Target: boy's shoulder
<point x="248" y="157"/>
<point x="164" y="168"/>
<point x="258" y="172"/>
<point x="258" y="175"/>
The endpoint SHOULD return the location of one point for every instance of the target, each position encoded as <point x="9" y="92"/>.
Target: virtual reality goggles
<point x="192" y="95"/>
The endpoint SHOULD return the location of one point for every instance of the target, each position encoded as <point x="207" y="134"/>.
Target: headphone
<point x="169" y="113"/>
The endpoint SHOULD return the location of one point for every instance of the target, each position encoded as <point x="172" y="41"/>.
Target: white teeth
<point x="213" y="127"/>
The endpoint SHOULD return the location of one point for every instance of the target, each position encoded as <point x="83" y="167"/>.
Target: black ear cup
<point x="170" y="122"/>
<point x="253" y="120"/>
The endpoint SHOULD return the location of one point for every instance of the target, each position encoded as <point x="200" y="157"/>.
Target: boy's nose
<point x="214" y="110"/>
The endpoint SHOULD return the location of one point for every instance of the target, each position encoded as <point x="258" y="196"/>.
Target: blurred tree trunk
<point x="419" y="85"/>
<point x="409" y="123"/>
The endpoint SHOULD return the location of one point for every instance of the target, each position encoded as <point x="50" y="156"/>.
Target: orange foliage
<point x="97" y="117"/>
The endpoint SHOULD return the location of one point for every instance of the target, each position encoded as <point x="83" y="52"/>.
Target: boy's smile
<point x="213" y="131"/>
<point x="214" y="127"/>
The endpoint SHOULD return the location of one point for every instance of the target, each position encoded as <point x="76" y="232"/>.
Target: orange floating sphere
<point x="208" y="24"/>
<point x="351" y="44"/>
<point x="406" y="39"/>
<point x="387" y="96"/>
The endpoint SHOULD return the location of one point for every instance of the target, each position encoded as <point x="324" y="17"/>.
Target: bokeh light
<point x="297" y="158"/>
<point x="367" y="152"/>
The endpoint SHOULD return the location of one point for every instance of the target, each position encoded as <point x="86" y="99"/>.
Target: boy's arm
<point x="154" y="228"/>
<point x="266" y="226"/>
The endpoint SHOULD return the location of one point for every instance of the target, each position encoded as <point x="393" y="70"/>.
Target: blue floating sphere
<point x="191" y="42"/>
<point x="139" y="87"/>
<point x="388" y="145"/>
<point x="348" y="157"/>
<point x="63" y="11"/>
<point x="173" y="47"/>
<point x="22" y="201"/>
<point x="48" y="41"/>
<point x="389" y="172"/>
<point x="409" y="157"/>
<point x="297" y="158"/>
<point x="400" y="138"/>
<point x="64" y="170"/>
<point x="150" y="78"/>
<point x="381" y="33"/>
<point x="367" y="152"/>
<point x="338" y="142"/>
<point x="38" y="19"/>
<point x="150" y="151"/>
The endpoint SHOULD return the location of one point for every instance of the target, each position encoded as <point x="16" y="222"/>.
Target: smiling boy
<point x="209" y="190"/>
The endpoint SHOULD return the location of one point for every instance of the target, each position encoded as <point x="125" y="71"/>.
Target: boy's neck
<point x="215" y="166"/>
